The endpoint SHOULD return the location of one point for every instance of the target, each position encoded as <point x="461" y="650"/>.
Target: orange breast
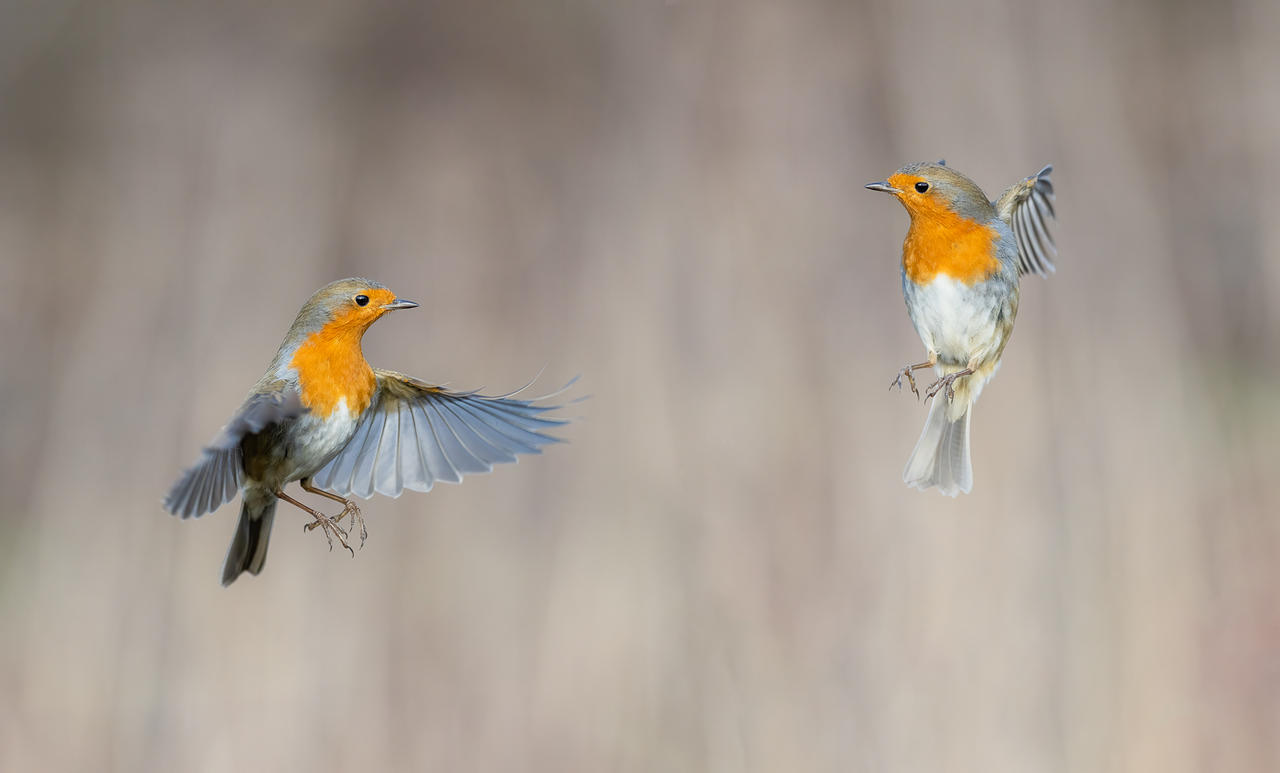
<point x="942" y="242"/>
<point x="331" y="366"/>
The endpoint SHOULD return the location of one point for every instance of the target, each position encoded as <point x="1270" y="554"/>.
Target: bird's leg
<point x="326" y="523"/>
<point x="348" y="508"/>
<point x="911" y="380"/>
<point x="944" y="384"/>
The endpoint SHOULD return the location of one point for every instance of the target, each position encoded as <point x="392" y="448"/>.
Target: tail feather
<point x="248" y="551"/>
<point x="941" y="456"/>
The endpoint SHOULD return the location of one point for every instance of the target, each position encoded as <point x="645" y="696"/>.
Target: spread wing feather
<point x="417" y="434"/>
<point x="485" y="452"/>
<point x="1026" y="207"/>
<point x="216" y="477"/>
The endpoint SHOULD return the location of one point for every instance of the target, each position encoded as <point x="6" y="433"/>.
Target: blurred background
<point x="722" y="570"/>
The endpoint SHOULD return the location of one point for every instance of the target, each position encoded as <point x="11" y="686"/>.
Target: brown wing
<point x="1026" y="207"/>
<point x="214" y="480"/>
<point x="417" y="434"/>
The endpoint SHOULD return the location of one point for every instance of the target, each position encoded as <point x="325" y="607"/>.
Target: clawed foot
<point x="911" y="381"/>
<point x="356" y="520"/>
<point x="944" y="385"/>
<point x="331" y="529"/>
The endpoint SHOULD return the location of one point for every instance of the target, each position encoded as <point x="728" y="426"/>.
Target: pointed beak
<point x="399" y="303"/>
<point x="883" y="187"/>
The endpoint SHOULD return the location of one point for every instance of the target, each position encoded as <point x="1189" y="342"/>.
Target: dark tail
<point x="248" y="550"/>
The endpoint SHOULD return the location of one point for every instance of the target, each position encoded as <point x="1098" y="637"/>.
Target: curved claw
<point x="330" y="529"/>
<point x="911" y="381"/>
<point x="945" y="385"/>
<point x="356" y="520"/>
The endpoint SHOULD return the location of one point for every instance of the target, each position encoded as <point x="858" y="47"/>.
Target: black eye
<point x="922" y="187"/>
<point x="362" y="300"/>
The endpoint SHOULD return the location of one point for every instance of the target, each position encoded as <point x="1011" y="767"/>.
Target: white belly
<point x="956" y="320"/>
<point x="325" y="438"/>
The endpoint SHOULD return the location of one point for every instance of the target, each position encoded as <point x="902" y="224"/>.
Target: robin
<point x="961" y="264"/>
<point x="322" y="416"/>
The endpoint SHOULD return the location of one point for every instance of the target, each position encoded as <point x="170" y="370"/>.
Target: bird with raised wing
<point x="322" y="416"/>
<point x="962" y="261"/>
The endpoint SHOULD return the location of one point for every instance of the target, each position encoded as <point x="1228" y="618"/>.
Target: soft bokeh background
<point x="722" y="570"/>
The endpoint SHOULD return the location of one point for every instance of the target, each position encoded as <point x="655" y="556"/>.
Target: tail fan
<point x="941" y="455"/>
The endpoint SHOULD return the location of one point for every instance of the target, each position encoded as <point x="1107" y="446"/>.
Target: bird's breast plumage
<point x="331" y="368"/>
<point x="961" y="322"/>
<point x="297" y="448"/>
<point x="319" y="439"/>
<point x="943" y="243"/>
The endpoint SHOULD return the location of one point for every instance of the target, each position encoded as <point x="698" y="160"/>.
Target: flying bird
<point x="322" y="416"/>
<point x="962" y="261"/>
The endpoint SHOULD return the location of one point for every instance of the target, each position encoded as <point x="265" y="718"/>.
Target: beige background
<point x="722" y="570"/>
